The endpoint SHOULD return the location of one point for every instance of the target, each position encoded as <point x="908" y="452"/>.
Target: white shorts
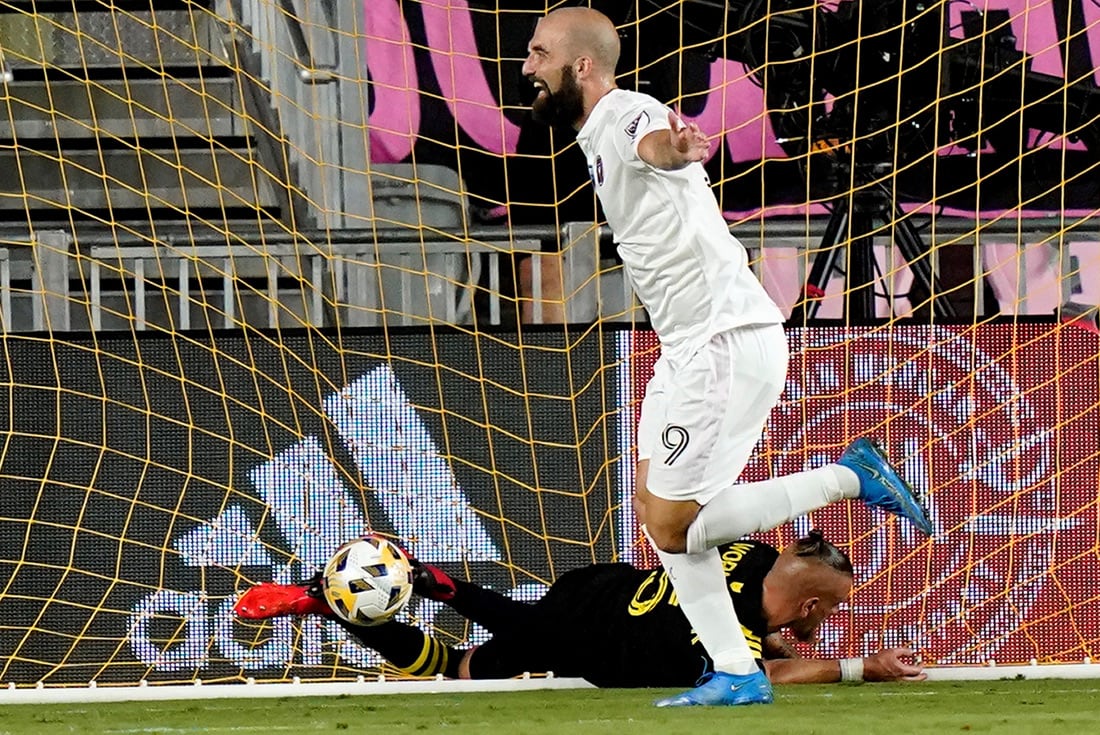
<point x="702" y="419"/>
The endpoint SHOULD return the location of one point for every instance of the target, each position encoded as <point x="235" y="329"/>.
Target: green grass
<point x="942" y="708"/>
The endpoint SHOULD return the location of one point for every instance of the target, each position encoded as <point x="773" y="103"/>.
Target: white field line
<point x="47" y="695"/>
<point x="152" y="692"/>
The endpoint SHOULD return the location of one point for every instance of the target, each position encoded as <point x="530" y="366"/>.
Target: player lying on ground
<point x="616" y="625"/>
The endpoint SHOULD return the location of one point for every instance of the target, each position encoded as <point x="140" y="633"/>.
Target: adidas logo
<point x="315" y="511"/>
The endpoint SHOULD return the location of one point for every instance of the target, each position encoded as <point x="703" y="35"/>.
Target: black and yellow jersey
<point x="619" y="626"/>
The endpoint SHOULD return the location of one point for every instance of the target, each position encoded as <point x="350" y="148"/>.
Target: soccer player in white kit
<point x="723" y="351"/>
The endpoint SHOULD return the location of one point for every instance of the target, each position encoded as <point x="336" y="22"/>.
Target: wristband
<point x="851" y="669"/>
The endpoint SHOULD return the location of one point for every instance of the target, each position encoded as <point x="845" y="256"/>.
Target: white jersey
<point x="691" y="274"/>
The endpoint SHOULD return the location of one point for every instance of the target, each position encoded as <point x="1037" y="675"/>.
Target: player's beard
<point x="562" y="108"/>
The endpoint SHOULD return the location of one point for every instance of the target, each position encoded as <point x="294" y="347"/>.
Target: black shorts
<point x="583" y="628"/>
<point x="618" y="626"/>
<point x="545" y="640"/>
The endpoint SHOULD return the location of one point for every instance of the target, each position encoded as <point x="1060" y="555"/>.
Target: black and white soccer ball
<point x="368" y="580"/>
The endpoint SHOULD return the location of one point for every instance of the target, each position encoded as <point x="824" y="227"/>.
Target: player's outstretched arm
<point x="891" y="664"/>
<point x="676" y="147"/>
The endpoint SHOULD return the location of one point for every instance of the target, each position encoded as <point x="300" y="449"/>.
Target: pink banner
<point x="734" y="107"/>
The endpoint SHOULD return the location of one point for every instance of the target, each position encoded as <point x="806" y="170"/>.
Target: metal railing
<point x="49" y="281"/>
<point x="349" y="284"/>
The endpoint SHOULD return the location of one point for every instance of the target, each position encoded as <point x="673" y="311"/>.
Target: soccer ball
<point x="368" y="580"/>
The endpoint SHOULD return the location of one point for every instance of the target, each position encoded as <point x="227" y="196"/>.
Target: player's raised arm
<point x="672" y="149"/>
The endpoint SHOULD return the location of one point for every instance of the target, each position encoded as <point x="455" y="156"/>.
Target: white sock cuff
<point x="847" y="481"/>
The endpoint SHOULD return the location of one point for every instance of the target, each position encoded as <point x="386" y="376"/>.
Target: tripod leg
<point x="861" y="269"/>
<point x="824" y="265"/>
<point x="919" y="258"/>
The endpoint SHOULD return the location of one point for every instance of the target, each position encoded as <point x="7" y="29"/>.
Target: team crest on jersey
<point x="639" y="121"/>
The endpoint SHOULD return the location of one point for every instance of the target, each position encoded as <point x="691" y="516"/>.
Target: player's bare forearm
<point x="657" y="150"/>
<point x="802" y="671"/>
<point x="675" y="148"/>
<point x="891" y="664"/>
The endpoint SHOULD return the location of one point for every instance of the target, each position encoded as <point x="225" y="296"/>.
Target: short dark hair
<point x="814" y="546"/>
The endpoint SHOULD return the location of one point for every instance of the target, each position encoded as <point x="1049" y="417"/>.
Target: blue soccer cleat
<point x="720" y="689"/>
<point x="880" y="486"/>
